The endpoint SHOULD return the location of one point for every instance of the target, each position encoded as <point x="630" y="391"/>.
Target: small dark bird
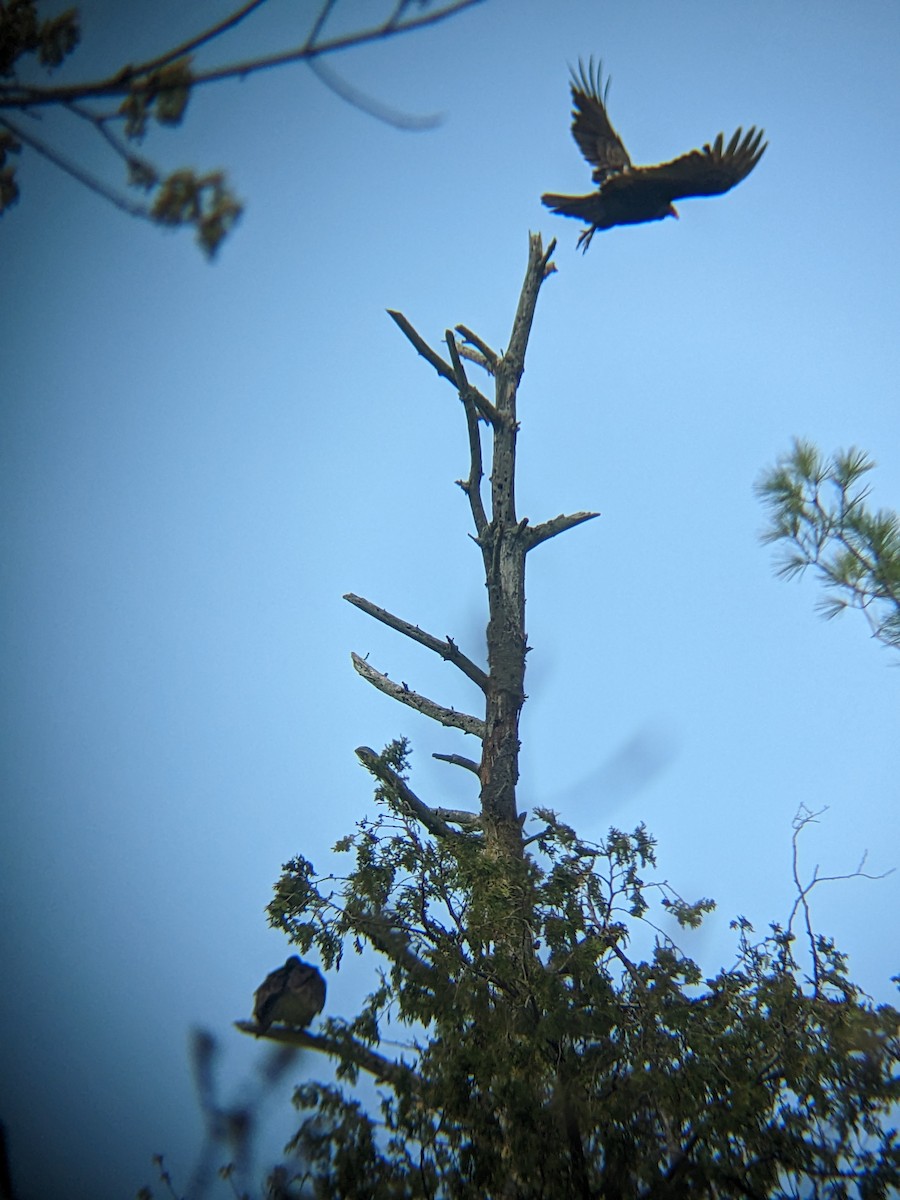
<point x="292" y="996"/>
<point x="629" y="195"/>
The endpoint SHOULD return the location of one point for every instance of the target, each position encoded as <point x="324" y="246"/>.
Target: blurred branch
<point x="140" y="77"/>
<point x="76" y="172"/>
<point x="158" y="89"/>
<point x="345" y="1048"/>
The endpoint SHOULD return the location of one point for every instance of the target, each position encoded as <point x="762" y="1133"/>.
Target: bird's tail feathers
<point x="570" y="206"/>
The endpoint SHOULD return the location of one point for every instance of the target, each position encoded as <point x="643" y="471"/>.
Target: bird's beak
<point x="673" y="212"/>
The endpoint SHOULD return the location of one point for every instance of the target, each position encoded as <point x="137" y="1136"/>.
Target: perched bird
<point x="292" y="995"/>
<point x="629" y="195"/>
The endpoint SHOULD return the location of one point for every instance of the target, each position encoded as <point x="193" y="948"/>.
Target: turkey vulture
<point x="628" y="195"/>
<point x="292" y="995"/>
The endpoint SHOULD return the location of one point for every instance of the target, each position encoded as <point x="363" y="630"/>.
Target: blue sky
<point x="199" y="460"/>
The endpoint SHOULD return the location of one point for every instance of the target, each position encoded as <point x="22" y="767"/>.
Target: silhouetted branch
<point x="71" y="168"/>
<point x="442" y="367"/>
<point x="804" y="817"/>
<point x="137" y="77"/>
<point x="344" y="1049"/>
<point x="446" y="648"/>
<point x="422" y="347"/>
<point x="159" y="89"/>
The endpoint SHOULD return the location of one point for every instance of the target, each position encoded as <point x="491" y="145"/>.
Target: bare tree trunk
<point x="505" y="540"/>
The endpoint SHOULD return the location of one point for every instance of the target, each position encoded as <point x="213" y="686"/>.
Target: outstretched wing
<point x="596" y="138"/>
<point x="707" y="172"/>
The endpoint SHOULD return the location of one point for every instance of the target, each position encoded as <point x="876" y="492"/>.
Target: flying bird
<point x="629" y="195"/>
<point x="292" y="996"/>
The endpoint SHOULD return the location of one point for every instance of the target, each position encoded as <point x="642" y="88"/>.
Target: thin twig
<point x="76" y="172"/>
<point x="195" y="42"/>
<point x="319" y="24"/>
<point x="133" y="77"/>
<point x="127" y="155"/>
<point x="804" y="817"/>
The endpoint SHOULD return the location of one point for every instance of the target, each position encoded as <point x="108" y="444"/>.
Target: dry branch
<point x="467" y="391"/>
<point x="482" y="352"/>
<point x="442" y="367"/>
<point x="548" y="529"/>
<point x="446" y="648"/>
<point x="137" y="76"/>
<point x="428" y="708"/>
<point x="460" y="816"/>
<point x="422" y="347"/>
<point x="472" y="485"/>
<point x="458" y="760"/>
<point x="389" y="777"/>
<point x="539" y="267"/>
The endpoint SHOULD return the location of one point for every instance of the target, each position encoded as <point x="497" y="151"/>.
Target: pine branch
<point x="75" y="171"/>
